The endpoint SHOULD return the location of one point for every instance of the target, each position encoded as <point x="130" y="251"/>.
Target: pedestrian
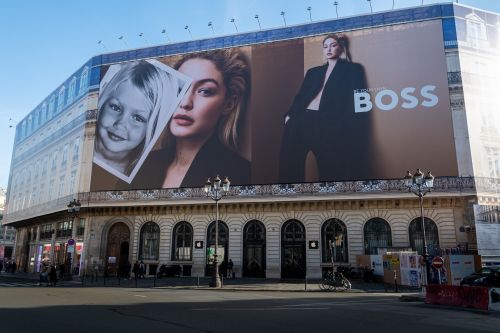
<point x="44" y="273"/>
<point x="136" y="270"/>
<point x="1" y="266"/>
<point x="230" y="272"/>
<point x="52" y="276"/>
<point x="13" y="267"/>
<point x="128" y="267"/>
<point x="142" y="270"/>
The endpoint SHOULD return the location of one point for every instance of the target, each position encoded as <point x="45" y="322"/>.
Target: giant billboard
<point x="358" y="105"/>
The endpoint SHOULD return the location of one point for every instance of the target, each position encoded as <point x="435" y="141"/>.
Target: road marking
<point x="140" y="296"/>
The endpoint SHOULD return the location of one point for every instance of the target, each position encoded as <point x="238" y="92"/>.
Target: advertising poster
<point x="260" y="114"/>
<point x="410" y="268"/>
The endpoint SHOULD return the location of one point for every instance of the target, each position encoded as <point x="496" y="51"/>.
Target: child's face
<point x="124" y="119"/>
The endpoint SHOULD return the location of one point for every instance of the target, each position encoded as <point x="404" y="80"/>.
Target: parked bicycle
<point x="336" y="281"/>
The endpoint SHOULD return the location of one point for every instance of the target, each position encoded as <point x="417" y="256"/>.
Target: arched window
<point x="60" y="99"/>
<point x="416" y="235"/>
<point x="149" y="242"/>
<point x="182" y="245"/>
<point x="377" y="233"/>
<point x="254" y="249"/>
<point x="84" y="78"/>
<point x="334" y="239"/>
<point x="71" y="90"/>
<point x="222" y="250"/>
<point x="293" y="250"/>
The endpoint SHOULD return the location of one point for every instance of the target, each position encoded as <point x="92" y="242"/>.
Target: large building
<point x="7" y="233"/>
<point x="415" y="92"/>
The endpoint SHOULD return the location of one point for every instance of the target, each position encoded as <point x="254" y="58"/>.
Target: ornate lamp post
<point x="216" y="191"/>
<point x="73" y="209"/>
<point x="420" y="186"/>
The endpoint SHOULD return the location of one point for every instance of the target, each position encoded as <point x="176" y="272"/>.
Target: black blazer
<point x="348" y="134"/>
<point x="213" y="159"/>
<point x="337" y="97"/>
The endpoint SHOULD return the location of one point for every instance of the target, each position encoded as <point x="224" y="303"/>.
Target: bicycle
<point x="335" y="282"/>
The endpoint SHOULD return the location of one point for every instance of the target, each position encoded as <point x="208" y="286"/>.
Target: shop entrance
<point x="254" y="249"/>
<point x="293" y="250"/>
<point x="118" y="248"/>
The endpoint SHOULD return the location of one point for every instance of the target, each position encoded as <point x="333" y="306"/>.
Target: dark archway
<point x="334" y="232"/>
<point x="293" y="250"/>
<point x="377" y="233"/>
<point x="254" y="249"/>
<point x="118" y="248"/>
<point x="417" y="237"/>
<point x="222" y="251"/>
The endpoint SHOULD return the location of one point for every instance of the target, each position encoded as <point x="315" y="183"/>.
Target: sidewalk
<point x="239" y="284"/>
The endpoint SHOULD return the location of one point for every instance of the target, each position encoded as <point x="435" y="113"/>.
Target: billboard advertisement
<point x="358" y="105"/>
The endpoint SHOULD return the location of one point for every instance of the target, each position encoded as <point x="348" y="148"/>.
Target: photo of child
<point x="135" y="103"/>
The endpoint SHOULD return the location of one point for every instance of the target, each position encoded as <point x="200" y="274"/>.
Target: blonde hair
<point x="235" y="71"/>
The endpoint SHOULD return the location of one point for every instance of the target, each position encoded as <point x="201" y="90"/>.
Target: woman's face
<point x="332" y="49"/>
<point x="202" y="106"/>
<point x="124" y="119"/>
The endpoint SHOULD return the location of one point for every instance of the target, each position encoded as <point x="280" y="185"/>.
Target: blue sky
<point x="44" y="42"/>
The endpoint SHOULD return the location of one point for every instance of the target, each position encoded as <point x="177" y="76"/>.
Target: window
<point x="334" y="239"/>
<point x="53" y="165"/>
<point x="81" y="227"/>
<point x="84" y="80"/>
<point x="60" y="99"/>
<point x="60" y="193"/>
<point x="52" y="105"/>
<point x="183" y="242"/>
<point x="64" y="159"/>
<point x="44" y="165"/>
<point x="51" y="190"/>
<point x="44" y="112"/>
<point x="46" y="231"/>
<point x="72" y="180"/>
<point x="149" y="242"/>
<point x="377" y="233"/>
<point x="64" y="229"/>
<point x="417" y="239"/>
<point x="76" y="149"/>
<point x="30" y="124"/>
<point x="71" y="90"/>
<point x="476" y="31"/>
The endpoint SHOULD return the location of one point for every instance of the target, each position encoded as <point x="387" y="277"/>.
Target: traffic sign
<point x="71" y="241"/>
<point x="437" y="262"/>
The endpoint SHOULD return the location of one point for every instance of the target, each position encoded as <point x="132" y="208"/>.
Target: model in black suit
<point x="322" y="120"/>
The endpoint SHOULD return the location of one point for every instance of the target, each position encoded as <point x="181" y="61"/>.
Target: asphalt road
<point x="60" y="309"/>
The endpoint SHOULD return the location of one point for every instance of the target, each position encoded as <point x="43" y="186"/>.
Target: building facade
<point x="267" y="227"/>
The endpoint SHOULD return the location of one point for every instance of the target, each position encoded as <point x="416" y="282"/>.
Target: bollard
<point x="222" y="281"/>
<point x="197" y="281"/>
<point x="118" y="277"/>
<point x="305" y="283"/>
<point x="154" y="282"/>
<point x="136" y="281"/>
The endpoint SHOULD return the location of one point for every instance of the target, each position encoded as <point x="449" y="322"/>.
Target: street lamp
<point x="284" y="20"/>
<point x="336" y="4"/>
<point x="310" y="16"/>
<point x="258" y="21"/>
<point x="216" y="191"/>
<point x="73" y="209"/>
<point x="420" y="186"/>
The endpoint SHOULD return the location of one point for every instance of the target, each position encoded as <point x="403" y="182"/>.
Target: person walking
<point x="230" y="272"/>
<point x="136" y="270"/>
<point x="52" y="276"/>
<point x="142" y="270"/>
